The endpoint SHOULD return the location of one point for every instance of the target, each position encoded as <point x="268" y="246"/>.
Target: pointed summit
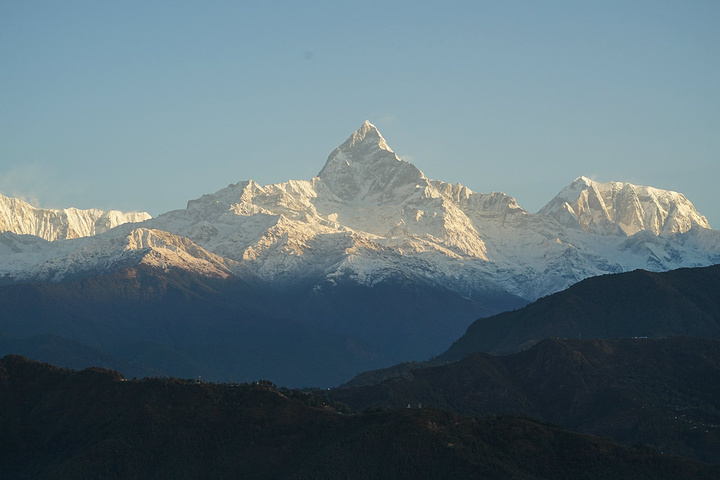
<point x="367" y="136"/>
<point x="365" y="166"/>
<point x="364" y="145"/>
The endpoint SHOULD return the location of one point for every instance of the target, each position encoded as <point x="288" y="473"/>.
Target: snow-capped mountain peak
<point x="366" y="168"/>
<point x="613" y="208"/>
<point x="367" y="135"/>
<point x="19" y="217"/>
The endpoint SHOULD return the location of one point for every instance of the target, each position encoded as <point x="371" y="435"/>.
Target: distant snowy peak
<point x="365" y="168"/>
<point x="18" y="216"/>
<point x="614" y="208"/>
<point x="366" y="137"/>
<point x="122" y="247"/>
<point x="478" y="204"/>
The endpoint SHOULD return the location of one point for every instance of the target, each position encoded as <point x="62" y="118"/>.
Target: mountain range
<point x="367" y="264"/>
<point x="19" y="217"/>
<point x="368" y="216"/>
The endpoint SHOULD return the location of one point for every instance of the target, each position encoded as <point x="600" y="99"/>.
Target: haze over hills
<point x="637" y="304"/>
<point x="370" y="251"/>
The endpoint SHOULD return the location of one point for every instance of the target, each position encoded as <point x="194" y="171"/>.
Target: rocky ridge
<point x="618" y="208"/>
<point x="18" y="216"/>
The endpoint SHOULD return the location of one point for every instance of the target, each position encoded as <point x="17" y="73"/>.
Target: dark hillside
<point x="57" y="350"/>
<point x="664" y="393"/>
<point x="174" y="323"/>
<point x="182" y="324"/>
<point x="625" y="305"/>
<point x="61" y="424"/>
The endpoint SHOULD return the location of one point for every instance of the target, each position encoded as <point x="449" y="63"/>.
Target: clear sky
<point x="143" y="105"/>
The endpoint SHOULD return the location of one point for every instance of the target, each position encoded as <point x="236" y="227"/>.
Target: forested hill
<point x="662" y="392"/>
<point x="58" y="424"/>
<point x="625" y="305"/>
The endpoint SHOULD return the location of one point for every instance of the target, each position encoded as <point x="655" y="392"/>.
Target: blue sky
<point x="143" y="105"/>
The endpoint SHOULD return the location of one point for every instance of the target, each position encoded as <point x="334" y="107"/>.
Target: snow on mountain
<point x="369" y="216"/>
<point x="623" y="208"/>
<point x="28" y="259"/>
<point x="365" y="170"/>
<point x="18" y="216"/>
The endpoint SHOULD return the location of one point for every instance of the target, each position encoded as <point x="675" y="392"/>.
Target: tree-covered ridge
<point x="660" y="392"/>
<point x="624" y="305"/>
<point x="93" y="423"/>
